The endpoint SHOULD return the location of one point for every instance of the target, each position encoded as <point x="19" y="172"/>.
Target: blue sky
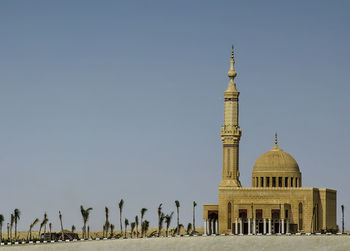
<point x="103" y="100"/>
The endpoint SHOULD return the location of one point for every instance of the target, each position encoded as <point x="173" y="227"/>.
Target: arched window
<point x="229" y="215"/>
<point x="300" y="216"/>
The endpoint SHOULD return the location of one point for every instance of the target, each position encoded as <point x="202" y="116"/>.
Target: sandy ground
<point x="222" y="243"/>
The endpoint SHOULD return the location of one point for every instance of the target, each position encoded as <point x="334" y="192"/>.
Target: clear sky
<point x="103" y="100"/>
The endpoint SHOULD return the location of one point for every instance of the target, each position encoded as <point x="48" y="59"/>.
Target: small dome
<point x="276" y="160"/>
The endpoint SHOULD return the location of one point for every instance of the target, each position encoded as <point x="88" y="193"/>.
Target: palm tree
<point x="106" y="227"/>
<point x="17" y="215"/>
<point x="160" y="216"/>
<point x="73" y="228"/>
<point x="85" y="214"/>
<point x="194" y="216"/>
<point x="121" y="204"/>
<point x="145" y="226"/>
<point x="31" y="228"/>
<point x="8" y="231"/>
<point x="11" y="226"/>
<point x="137" y="226"/>
<point x="1" y="222"/>
<point x="177" y="204"/>
<point x="43" y="223"/>
<point x="60" y="217"/>
<point x="126" y="222"/>
<point x="143" y="211"/>
<point x="168" y="218"/>
<point x="50" y="228"/>
<point x="342" y="218"/>
<point x="88" y="232"/>
<point x="132" y="225"/>
<point x="112" y="229"/>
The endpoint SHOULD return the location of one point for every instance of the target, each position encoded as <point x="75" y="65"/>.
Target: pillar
<point x="249" y="226"/>
<point x="236" y="226"/>
<point x="240" y="227"/>
<point x="264" y="230"/>
<point x="270" y="226"/>
<point x="205" y="227"/>
<point x="287" y="226"/>
<point x="254" y="226"/>
<point x="210" y="228"/>
<point x="282" y="222"/>
<point x="216" y="226"/>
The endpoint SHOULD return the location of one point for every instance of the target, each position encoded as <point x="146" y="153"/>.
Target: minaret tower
<point x="231" y="132"/>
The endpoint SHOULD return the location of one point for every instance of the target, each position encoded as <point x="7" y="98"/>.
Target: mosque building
<point x="276" y="202"/>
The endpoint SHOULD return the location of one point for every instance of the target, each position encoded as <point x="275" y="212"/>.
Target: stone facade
<point x="276" y="202"/>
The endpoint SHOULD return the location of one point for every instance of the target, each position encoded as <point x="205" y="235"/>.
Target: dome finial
<point x="276" y="141"/>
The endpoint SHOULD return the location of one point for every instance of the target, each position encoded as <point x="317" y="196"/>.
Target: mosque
<point x="276" y="203"/>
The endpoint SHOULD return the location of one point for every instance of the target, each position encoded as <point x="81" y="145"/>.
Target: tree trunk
<point x="15" y="231"/>
<point x="84" y="230"/>
<point x="178" y="222"/>
<point x="62" y="235"/>
<point x="194" y="220"/>
<point x="120" y="221"/>
<point x="141" y="227"/>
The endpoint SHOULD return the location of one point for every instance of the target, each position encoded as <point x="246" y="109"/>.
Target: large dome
<point x="276" y="168"/>
<point x="276" y="160"/>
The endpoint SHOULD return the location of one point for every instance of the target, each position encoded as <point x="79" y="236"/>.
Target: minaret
<point x="231" y="132"/>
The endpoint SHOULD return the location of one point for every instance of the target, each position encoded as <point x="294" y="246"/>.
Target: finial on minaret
<point x="232" y="56"/>
<point x="276" y="138"/>
<point x="232" y="73"/>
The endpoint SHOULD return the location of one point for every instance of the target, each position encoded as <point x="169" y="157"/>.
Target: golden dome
<point x="276" y="160"/>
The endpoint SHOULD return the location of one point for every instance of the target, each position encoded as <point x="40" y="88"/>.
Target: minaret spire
<point x="232" y="73"/>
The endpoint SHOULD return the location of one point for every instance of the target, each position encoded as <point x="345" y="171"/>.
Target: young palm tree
<point x="194" y="216"/>
<point x="60" y="217"/>
<point x="17" y="215"/>
<point x="177" y="204"/>
<point x="73" y="228"/>
<point x="145" y="227"/>
<point x="36" y="221"/>
<point x="1" y="222"/>
<point x="107" y="224"/>
<point x="137" y="226"/>
<point x="168" y="218"/>
<point x="121" y="204"/>
<point x="132" y="225"/>
<point x="143" y="211"/>
<point x="11" y="226"/>
<point x="85" y="214"/>
<point x="126" y="222"/>
<point x="112" y="230"/>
